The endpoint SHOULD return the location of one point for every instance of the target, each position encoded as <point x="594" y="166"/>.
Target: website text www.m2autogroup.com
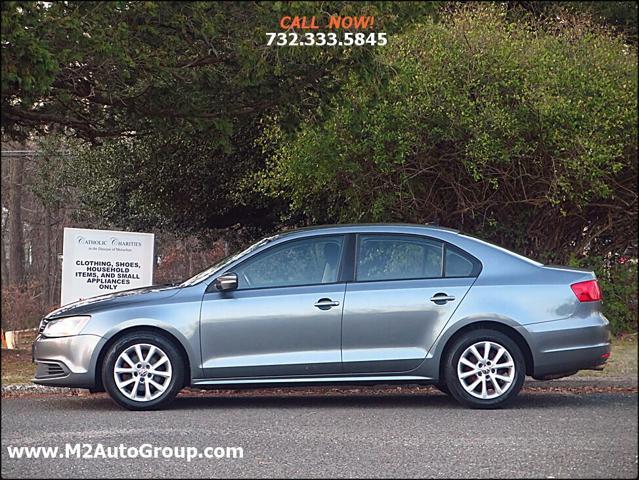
<point x="88" y="451"/>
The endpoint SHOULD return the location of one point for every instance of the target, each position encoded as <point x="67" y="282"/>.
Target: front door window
<point x="311" y="261"/>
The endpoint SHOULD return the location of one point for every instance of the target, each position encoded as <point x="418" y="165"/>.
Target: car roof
<point x="344" y="228"/>
<point x="367" y="227"/>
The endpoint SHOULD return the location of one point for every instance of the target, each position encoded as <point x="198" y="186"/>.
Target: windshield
<point x="225" y="261"/>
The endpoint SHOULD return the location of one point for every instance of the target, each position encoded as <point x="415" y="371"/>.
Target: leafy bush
<point x="181" y="257"/>
<point x="524" y="133"/>
<point x="22" y="307"/>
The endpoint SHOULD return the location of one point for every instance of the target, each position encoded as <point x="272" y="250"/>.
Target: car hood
<point x="118" y="299"/>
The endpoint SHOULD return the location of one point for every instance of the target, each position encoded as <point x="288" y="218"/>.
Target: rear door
<point x="406" y="288"/>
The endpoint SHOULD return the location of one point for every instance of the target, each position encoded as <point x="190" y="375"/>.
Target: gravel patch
<point x="32" y="388"/>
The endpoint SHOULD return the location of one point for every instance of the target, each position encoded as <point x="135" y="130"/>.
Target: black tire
<point x="176" y="381"/>
<point x="455" y="351"/>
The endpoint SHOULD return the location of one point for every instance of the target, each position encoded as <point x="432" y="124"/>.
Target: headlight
<point x="65" y="327"/>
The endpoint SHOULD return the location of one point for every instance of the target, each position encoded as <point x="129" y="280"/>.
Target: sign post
<point x="96" y="262"/>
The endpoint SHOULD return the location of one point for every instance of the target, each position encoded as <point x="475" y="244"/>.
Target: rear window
<point x="459" y="264"/>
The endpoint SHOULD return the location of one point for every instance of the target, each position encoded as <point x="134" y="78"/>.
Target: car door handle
<point x="441" y="298"/>
<point x="326" y="303"/>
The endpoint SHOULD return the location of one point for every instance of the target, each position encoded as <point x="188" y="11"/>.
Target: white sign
<point x="96" y="262"/>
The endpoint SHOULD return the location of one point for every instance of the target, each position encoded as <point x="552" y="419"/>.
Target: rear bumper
<point x="65" y="362"/>
<point x="568" y="345"/>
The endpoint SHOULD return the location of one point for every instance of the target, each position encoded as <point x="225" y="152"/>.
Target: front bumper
<point x="66" y="361"/>
<point x="569" y="345"/>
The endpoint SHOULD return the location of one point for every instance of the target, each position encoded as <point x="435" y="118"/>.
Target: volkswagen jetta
<point x="336" y="305"/>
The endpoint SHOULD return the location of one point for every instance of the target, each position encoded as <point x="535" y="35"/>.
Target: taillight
<point x="588" y="291"/>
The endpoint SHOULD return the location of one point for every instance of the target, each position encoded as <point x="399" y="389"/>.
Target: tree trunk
<point x="3" y="264"/>
<point x="15" y="227"/>
<point x="48" y="291"/>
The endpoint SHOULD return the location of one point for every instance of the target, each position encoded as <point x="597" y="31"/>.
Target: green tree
<point x="620" y="16"/>
<point x="523" y="133"/>
<point x="171" y="97"/>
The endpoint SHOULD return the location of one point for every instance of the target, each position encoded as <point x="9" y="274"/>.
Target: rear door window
<point x="398" y="257"/>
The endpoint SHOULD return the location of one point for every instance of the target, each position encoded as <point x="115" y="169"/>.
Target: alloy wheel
<point x="142" y="372"/>
<point x="486" y="370"/>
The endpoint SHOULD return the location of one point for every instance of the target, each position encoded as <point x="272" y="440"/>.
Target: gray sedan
<point x="336" y="305"/>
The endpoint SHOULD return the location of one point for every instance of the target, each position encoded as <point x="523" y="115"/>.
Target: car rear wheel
<point x="143" y="371"/>
<point x="484" y="369"/>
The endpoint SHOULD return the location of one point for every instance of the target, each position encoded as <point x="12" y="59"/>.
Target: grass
<point x="622" y="362"/>
<point x="17" y="366"/>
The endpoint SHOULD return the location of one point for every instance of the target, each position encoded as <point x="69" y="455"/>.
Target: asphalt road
<point x="544" y="434"/>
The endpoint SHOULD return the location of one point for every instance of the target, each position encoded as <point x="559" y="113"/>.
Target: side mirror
<point x="226" y="282"/>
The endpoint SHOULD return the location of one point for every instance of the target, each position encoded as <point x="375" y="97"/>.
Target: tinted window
<point x="396" y="257"/>
<point x="458" y="264"/>
<point x="299" y="262"/>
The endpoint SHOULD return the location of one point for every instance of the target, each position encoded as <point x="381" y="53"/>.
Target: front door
<point x="284" y="318"/>
<point x="405" y="290"/>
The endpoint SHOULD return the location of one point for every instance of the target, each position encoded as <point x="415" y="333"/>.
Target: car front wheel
<point x="143" y="371"/>
<point x="484" y="369"/>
